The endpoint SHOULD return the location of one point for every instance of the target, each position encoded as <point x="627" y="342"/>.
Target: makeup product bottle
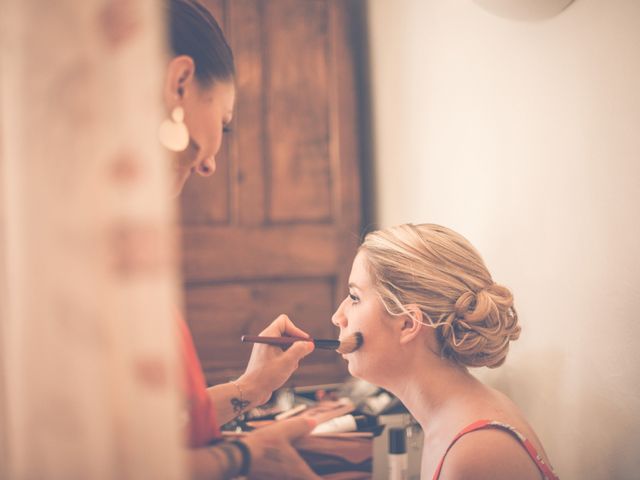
<point x="398" y="459"/>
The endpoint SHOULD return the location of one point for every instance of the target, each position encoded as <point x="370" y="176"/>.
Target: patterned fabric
<point x="88" y="359"/>
<point x="202" y="426"/>
<point x="545" y="469"/>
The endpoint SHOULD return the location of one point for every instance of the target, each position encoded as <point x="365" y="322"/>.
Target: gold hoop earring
<point x="173" y="133"/>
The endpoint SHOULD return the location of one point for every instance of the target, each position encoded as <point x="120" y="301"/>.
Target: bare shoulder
<point x="489" y="454"/>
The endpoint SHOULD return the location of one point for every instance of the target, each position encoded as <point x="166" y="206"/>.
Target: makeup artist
<point x="199" y="96"/>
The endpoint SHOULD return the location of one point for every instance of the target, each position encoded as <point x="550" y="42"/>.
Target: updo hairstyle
<point x="439" y="271"/>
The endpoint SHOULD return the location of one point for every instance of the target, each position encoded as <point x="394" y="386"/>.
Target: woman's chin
<point x="362" y="371"/>
<point x="353" y="369"/>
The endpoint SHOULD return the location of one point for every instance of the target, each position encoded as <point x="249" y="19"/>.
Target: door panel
<point x="297" y="95"/>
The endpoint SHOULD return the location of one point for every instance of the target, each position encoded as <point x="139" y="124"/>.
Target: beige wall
<point x="525" y="137"/>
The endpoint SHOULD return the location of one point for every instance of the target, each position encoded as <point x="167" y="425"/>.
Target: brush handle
<point x="285" y="341"/>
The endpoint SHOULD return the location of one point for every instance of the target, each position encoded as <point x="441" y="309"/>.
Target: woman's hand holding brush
<point x="269" y="366"/>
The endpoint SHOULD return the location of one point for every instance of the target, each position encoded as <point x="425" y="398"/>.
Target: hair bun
<point x="478" y="331"/>
<point x="439" y="271"/>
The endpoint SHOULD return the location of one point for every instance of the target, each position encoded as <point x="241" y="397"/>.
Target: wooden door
<point x="275" y="229"/>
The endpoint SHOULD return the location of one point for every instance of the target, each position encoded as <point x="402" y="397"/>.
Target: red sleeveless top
<point x="545" y="469"/>
<point x="202" y="426"/>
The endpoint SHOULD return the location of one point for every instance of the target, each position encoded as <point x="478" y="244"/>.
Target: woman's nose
<point x="338" y="318"/>
<point x="207" y="166"/>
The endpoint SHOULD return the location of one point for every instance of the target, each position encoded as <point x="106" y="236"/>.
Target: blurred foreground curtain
<point x="88" y="368"/>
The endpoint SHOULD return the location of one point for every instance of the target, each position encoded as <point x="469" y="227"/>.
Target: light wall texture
<point x="525" y="138"/>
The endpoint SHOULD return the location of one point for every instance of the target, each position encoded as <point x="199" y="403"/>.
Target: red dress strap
<point x="545" y="469"/>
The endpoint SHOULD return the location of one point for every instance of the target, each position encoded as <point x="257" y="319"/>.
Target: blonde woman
<point x="428" y="310"/>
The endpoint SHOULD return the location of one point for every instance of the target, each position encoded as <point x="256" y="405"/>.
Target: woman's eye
<point x="227" y="129"/>
<point x="353" y="298"/>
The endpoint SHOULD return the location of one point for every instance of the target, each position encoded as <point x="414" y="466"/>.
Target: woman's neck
<point x="429" y="386"/>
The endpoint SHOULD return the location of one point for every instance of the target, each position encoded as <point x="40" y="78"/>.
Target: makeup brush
<point x="348" y="345"/>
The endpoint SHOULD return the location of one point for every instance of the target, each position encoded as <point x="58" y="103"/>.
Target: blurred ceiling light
<point x="528" y="10"/>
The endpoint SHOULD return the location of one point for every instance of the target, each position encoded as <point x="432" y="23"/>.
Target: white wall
<point x="525" y="137"/>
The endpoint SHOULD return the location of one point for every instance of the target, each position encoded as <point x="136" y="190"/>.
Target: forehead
<point x="360" y="271"/>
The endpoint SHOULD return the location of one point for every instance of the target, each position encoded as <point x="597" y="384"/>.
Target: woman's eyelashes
<point x="354" y="298"/>
<point x="226" y="129"/>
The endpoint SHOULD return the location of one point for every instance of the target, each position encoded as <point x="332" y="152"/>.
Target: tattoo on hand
<point x="239" y="405"/>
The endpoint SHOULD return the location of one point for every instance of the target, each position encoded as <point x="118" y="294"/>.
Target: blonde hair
<point x="440" y="272"/>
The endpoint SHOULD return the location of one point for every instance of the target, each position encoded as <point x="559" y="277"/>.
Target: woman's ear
<point x="179" y="81"/>
<point x="412" y="324"/>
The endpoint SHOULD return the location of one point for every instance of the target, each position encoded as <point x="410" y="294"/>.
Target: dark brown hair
<point x="194" y="32"/>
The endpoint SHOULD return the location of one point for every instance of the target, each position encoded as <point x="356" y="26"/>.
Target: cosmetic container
<point x="345" y="423"/>
<point x="398" y="460"/>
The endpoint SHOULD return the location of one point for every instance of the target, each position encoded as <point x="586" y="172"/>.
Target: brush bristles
<point x="351" y="343"/>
